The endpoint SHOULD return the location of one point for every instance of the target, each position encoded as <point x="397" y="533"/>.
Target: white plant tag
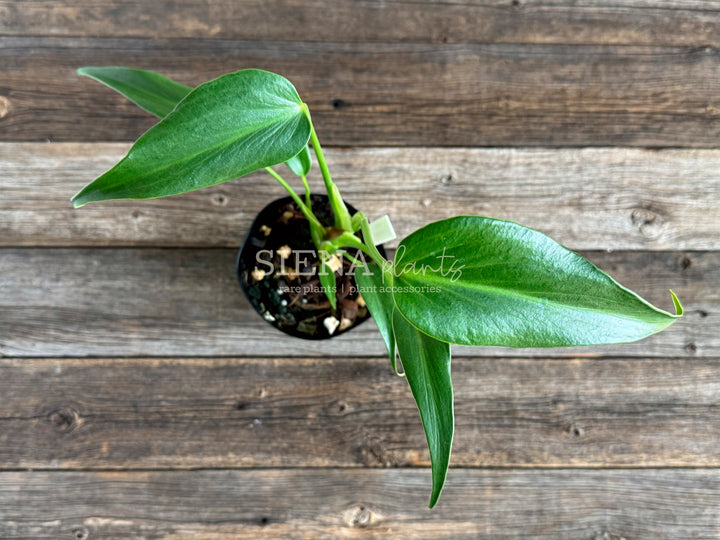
<point x="382" y="230"/>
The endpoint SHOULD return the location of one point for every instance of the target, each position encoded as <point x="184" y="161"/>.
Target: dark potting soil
<point x="278" y="270"/>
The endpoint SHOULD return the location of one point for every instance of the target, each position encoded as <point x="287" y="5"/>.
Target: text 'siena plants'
<point x="466" y="280"/>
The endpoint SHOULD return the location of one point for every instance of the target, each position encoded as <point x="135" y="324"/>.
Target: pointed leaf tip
<point x="427" y="369"/>
<point x="678" y="306"/>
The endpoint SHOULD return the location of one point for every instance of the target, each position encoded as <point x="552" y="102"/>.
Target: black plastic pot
<point x="289" y="295"/>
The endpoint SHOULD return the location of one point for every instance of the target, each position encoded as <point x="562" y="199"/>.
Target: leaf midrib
<point x="210" y="149"/>
<point x="514" y="293"/>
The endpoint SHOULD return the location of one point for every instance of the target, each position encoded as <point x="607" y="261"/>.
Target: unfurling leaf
<point x="250" y="119"/>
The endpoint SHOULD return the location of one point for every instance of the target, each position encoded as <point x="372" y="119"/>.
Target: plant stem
<point x="307" y="191"/>
<point x="305" y="209"/>
<point x="320" y="157"/>
<point x="342" y="216"/>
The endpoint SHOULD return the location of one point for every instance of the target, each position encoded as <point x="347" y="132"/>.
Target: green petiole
<point x="342" y="216"/>
<point x="305" y="209"/>
<point x="307" y="191"/>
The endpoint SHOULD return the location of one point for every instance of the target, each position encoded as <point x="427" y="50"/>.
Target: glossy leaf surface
<point x="426" y="362"/>
<point x="158" y="95"/>
<point x="150" y="91"/>
<point x="489" y="282"/>
<point x="250" y="119"/>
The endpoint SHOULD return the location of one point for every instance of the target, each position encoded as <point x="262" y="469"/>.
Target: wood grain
<point x="593" y="198"/>
<point x="330" y="504"/>
<point x="186" y="302"/>
<point x="389" y="94"/>
<point x="601" y="22"/>
<point x="349" y="412"/>
<point x="143" y="398"/>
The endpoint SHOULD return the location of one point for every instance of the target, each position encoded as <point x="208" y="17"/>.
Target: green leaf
<point x="427" y="367"/>
<point x="492" y="282"/>
<point x="225" y="128"/>
<point x="150" y="91"/>
<point x="377" y="294"/>
<point x="301" y="163"/>
<point x="159" y="95"/>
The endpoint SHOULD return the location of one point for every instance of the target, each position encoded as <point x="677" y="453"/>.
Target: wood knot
<point x="219" y="199"/>
<point x="447" y="178"/>
<point x="65" y="419"/>
<point x="648" y="221"/>
<point x="241" y="405"/>
<point x="372" y="454"/>
<point x="338" y="104"/>
<point x="360" y="516"/>
<point x="80" y="533"/>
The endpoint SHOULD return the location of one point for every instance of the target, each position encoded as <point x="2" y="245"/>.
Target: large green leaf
<point x="481" y="281"/>
<point x="151" y="91"/>
<point x="158" y="95"/>
<point x="223" y="129"/>
<point x="377" y="293"/>
<point x="426" y="362"/>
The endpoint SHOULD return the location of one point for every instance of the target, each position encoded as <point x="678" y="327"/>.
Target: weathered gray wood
<point x="389" y="94"/>
<point x="672" y="22"/>
<point x="593" y="198"/>
<point x="378" y="504"/>
<point x="186" y="302"/>
<point x="194" y="413"/>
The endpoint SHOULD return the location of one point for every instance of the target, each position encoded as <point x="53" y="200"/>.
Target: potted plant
<point x="466" y="280"/>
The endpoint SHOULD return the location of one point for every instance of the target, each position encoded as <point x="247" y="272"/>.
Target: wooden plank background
<point x="140" y="397"/>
